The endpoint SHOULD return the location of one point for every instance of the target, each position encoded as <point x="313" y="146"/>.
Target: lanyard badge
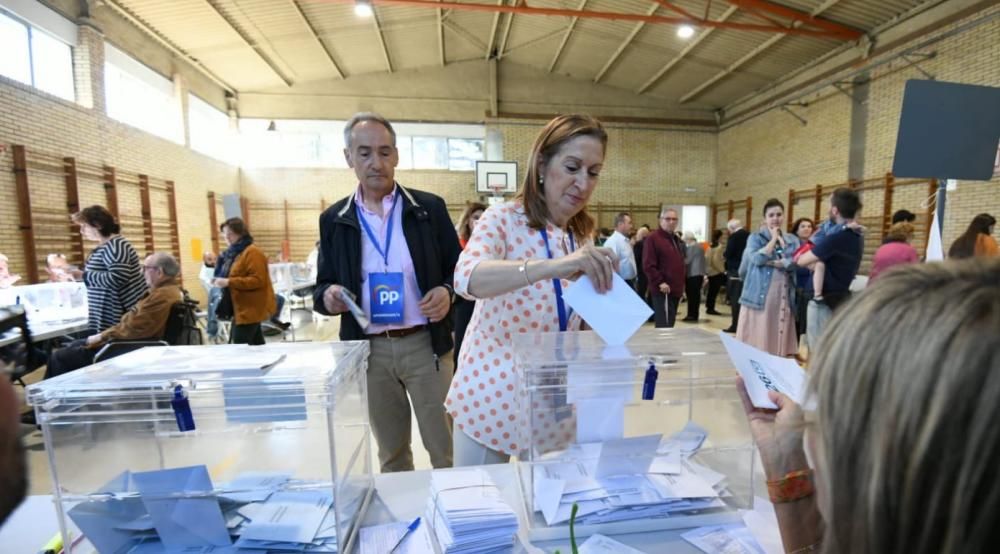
<point x="386" y="288"/>
<point x="557" y="283"/>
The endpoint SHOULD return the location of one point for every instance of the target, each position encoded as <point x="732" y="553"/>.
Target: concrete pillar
<point x="88" y="66"/>
<point x="859" y="127"/>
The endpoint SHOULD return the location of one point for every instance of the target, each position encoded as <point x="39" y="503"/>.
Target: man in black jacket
<point x="733" y="254"/>
<point x="393" y="250"/>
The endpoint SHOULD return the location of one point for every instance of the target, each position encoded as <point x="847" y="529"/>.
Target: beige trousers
<point x="402" y="371"/>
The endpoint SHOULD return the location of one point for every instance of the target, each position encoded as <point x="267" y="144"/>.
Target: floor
<point x="305" y="329"/>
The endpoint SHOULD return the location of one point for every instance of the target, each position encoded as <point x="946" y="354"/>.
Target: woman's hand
<point x="778" y="433"/>
<point x="599" y="264"/>
<point x="776" y="236"/>
<point x="221" y="282"/>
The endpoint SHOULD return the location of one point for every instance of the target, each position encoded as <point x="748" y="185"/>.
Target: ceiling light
<point x="685" y="31"/>
<point x="363" y="8"/>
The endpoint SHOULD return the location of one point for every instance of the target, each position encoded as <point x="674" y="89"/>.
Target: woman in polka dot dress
<point x="521" y="256"/>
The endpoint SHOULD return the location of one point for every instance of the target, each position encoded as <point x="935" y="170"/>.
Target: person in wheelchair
<point x="146" y="321"/>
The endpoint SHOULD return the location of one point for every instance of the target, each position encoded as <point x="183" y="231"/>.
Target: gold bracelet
<point x="524" y="271"/>
<point x="811" y="548"/>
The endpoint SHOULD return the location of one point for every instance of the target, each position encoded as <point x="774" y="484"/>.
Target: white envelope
<point x="615" y="315"/>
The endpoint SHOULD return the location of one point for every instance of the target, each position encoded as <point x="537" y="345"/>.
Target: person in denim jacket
<point x="767" y="320"/>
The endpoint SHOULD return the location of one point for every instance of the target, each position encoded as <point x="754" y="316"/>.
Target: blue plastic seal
<point x="182" y="409"/>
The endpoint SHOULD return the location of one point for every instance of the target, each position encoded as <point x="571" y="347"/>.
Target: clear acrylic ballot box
<point x="49" y="303"/>
<point x="186" y="449"/>
<point x="646" y="436"/>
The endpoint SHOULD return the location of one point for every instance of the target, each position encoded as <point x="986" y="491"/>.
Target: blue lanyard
<point x="557" y="284"/>
<point x="388" y="232"/>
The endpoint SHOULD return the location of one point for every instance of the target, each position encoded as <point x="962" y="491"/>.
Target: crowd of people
<point x="395" y="252"/>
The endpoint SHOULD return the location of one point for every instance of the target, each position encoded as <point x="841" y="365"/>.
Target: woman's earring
<point x="541" y="180"/>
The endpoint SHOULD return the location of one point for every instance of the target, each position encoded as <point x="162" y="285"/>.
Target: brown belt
<point x="399" y="333"/>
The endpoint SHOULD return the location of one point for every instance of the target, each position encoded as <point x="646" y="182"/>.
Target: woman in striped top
<point x="113" y="274"/>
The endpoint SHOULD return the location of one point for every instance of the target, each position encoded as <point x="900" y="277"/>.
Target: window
<point x="141" y="97"/>
<point x="292" y="143"/>
<point x="430" y="153"/>
<point x="36" y="58"/>
<point x="305" y="143"/>
<point x="16" y="60"/>
<point x="208" y="130"/>
<point x="694" y="219"/>
<point x="463" y="154"/>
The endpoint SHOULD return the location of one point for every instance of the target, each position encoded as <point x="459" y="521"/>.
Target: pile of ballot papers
<point x="178" y="510"/>
<point x="625" y="479"/>
<point x="468" y="514"/>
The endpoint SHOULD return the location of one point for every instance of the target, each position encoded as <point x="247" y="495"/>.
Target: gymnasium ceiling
<point x="739" y="46"/>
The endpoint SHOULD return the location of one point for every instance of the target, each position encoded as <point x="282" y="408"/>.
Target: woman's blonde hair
<point x="900" y="232"/>
<point x="907" y="378"/>
<point x="556" y="133"/>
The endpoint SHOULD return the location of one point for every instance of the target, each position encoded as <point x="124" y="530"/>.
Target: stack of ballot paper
<point x="178" y="510"/>
<point x="625" y="479"/>
<point x="468" y="514"/>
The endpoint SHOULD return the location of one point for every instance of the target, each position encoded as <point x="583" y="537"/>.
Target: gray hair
<point x="620" y="218"/>
<point x="907" y="387"/>
<point x="734" y="225"/>
<point x="167" y="263"/>
<point x="664" y="211"/>
<point x="361" y="117"/>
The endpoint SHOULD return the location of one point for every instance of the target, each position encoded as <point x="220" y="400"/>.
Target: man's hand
<point x="436" y="304"/>
<point x="92" y="340"/>
<point x="332" y="301"/>
<point x="221" y="282"/>
<point x="664" y="288"/>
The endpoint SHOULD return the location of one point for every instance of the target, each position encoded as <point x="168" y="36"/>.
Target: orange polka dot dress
<point x="482" y="399"/>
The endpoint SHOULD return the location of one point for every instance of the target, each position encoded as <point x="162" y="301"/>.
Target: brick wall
<point x="48" y="124"/>
<point x="771" y="153"/>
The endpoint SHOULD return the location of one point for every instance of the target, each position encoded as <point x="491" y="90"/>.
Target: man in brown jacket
<point x="146" y="321"/>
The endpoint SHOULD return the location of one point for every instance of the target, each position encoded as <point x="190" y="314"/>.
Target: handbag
<point x="224" y="309"/>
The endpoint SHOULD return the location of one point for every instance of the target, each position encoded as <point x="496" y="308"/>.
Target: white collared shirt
<point x="626" y="256"/>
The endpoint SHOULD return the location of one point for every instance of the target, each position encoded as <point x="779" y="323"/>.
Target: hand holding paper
<point x="762" y="372"/>
<point x="615" y="315"/>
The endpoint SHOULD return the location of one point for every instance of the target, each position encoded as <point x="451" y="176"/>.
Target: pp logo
<point x="385" y="295"/>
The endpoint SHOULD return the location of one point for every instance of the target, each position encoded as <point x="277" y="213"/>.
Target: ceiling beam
<point x="685" y="51"/>
<point x="677" y="9"/>
<point x="166" y="43"/>
<point x="253" y="44"/>
<point x="838" y="33"/>
<point x="462" y="32"/>
<point x="381" y="39"/>
<point x="493" y="33"/>
<point x="621" y="47"/>
<point x="805" y="18"/>
<point x="566" y="35"/>
<point x="441" y="37"/>
<point x="824" y="6"/>
<point x="731" y="68"/>
<point x="751" y="54"/>
<point x="312" y="30"/>
<point x="534" y="41"/>
<point x="506" y="35"/>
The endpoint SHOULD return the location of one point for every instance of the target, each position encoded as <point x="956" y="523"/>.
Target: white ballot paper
<point x="762" y="372"/>
<point x="599" y="544"/>
<point x="615" y="315"/>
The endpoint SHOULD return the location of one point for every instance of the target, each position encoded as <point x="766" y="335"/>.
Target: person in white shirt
<point x="213" y="294"/>
<point x="621" y="245"/>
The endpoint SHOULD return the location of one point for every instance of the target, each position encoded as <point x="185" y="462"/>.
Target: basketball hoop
<point x="498" y="189"/>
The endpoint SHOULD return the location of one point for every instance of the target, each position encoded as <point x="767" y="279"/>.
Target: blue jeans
<point x="212" y="322"/>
